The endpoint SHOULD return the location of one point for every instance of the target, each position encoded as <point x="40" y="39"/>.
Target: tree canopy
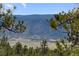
<point x="8" y="21"/>
<point x="69" y="21"/>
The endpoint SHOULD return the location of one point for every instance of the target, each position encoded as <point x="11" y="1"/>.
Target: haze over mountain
<point x="37" y="27"/>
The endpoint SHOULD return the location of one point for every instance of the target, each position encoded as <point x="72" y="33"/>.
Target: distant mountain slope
<point x="38" y="27"/>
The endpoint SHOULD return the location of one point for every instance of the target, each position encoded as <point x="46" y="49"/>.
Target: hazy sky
<point x="40" y="8"/>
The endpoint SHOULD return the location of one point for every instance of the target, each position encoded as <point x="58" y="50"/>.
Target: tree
<point x="7" y="21"/>
<point x="30" y="51"/>
<point x="8" y="50"/>
<point x="18" y="48"/>
<point x="5" y="47"/>
<point x="3" y="41"/>
<point x="44" y="47"/>
<point x="70" y="24"/>
<point x="25" y="50"/>
<point x="37" y="51"/>
<point x="62" y="49"/>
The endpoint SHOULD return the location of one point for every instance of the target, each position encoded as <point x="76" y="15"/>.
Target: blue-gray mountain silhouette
<point x="38" y="25"/>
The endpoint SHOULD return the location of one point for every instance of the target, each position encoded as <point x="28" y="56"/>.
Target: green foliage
<point x="25" y="50"/>
<point x="44" y="47"/>
<point x="18" y="48"/>
<point x="8" y="21"/>
<point x="63" y="48"/>
<point x="37" y="51"/>
<point x="53" y="24"/>
<point x="30" y="51"/>
<point x="69" y="22"/>
<point x="5" y="48"/>
<point x="20" y="26"/>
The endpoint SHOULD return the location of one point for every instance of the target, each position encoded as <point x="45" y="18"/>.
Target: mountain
<point x="38" y="27"/>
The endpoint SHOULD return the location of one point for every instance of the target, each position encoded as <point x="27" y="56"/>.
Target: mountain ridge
<point x="38" y="27"/>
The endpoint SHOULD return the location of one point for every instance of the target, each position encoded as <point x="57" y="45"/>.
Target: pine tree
<point x="8" y="22"/>
<point x="25" y="50"/>
<point x="18" y="48"/>
<point x="31" y="51"/>
<point x="69" y="22"/>
<point x="44" y="47"/>
<point x="37" y="51"/>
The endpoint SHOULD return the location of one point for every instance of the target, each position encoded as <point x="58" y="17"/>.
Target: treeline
<point x="63" y="49"/>
<point x="19" y="50"/>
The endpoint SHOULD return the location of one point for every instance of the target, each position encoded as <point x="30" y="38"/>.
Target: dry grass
<point x="33" y="43"/>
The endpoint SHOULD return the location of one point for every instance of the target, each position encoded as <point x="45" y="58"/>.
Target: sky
<point x="40" y="8"/>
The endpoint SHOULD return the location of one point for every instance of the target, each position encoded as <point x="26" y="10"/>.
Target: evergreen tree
<point x="25" y="50"/>
<point x="44" y="47"/>
<point x="8" y="22"/>
<point x="69" y="22"/>
<point x="30" y="51"/>
<point x="37" y="51"/>
<point x="8" y="50"/>
<point x="18" y="48"/>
